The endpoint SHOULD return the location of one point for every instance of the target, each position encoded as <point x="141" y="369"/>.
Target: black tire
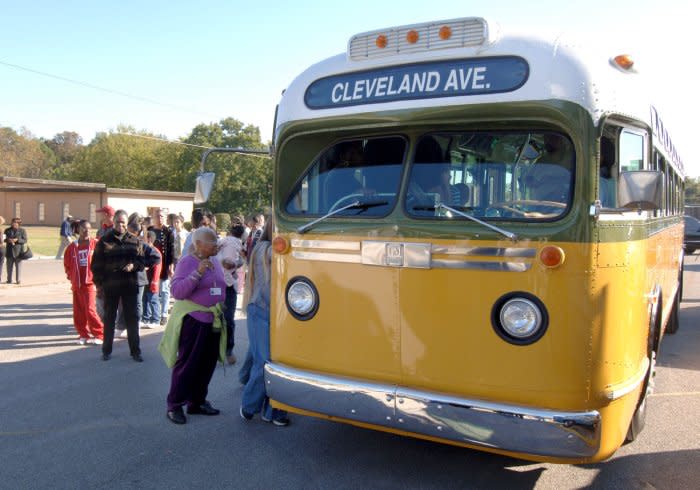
<point x="674" y="319"/>
<point x="639" y="419"/>
<point x="640" y="414"/>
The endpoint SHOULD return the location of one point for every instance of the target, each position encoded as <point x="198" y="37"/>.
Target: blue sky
<point x="187" y="62"/>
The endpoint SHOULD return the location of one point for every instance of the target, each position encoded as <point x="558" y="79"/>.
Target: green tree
<point x="23" y="155"/>
<point x="122" y="160"/>
<point x="66" y="146"/>
<point x="243" y="182"/>
<point x="692" y="191"/>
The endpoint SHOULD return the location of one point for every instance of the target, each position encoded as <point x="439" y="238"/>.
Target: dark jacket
<point x="151" y="259"/>
<point x="112" y="254"/>
<point x="165" y="243"/>
<point x="15" y="250"/>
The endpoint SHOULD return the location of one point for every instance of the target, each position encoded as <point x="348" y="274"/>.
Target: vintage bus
<point x="477" y="241"/>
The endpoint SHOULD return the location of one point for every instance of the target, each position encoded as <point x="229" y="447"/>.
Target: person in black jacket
<point x="151" y="258"/>
<point x="116" y="262"/>
<point x="165" y="243"/>
<point x="15" y="240"/>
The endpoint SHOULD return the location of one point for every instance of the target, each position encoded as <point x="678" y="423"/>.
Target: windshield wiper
<point x="353" y="205"/>
<point x="507" y="234"/>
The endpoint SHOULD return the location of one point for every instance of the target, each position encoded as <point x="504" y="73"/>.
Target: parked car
<point x="691" y="237"/>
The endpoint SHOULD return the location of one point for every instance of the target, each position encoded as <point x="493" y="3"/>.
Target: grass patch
<point x="43" y="240"/>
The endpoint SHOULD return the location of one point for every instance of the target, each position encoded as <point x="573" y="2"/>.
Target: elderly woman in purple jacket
<point x="192" y="342"/>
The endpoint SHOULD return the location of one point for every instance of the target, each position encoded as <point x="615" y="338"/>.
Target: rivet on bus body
<point x="389" y="398"/>
<point x="353" y="411"/>
<point x="388" y="418"/>
<point x="400" y="421"/>
<point x="551" y="256"/>
<point x="400" y="400"/>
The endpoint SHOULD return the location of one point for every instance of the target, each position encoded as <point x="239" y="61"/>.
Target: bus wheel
<point x="674" y="320"/>
<point x="640" y="414"/>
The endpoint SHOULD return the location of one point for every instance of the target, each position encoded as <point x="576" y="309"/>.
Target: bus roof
<point x="470" y="61"/>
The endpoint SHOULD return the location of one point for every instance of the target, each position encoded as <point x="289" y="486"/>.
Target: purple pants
<point x="196" y="360"/>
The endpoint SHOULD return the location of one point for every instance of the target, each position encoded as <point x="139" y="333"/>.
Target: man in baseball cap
<point x="107" y="220"/>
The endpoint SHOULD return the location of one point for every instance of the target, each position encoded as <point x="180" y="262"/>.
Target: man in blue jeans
<point x="165" y="243"/>
<point x="66" y="236"/>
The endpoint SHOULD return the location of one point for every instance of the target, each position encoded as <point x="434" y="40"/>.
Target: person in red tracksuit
<point x="76" y="262"/>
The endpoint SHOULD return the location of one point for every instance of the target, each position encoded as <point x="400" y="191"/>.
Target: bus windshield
<point x="514" y="175"/>
<point x="510" y="175"/>
<point x="348" y="171"/>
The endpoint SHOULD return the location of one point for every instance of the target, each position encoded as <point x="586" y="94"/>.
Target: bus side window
<point x="608" y="186"/>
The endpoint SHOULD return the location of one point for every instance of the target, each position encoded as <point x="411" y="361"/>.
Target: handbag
<point x="25" y="253"/>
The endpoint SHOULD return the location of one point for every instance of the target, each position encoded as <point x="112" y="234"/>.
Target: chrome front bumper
<point x="492" y="425"/>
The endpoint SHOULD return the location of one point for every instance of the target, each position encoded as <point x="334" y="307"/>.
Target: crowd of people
<point x="143" y="272"/>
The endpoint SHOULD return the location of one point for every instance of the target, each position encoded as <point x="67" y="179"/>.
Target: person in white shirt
<point x="231" y="260"/>
<point x="180" y="234"/>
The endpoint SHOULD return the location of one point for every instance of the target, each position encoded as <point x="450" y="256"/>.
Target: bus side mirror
<point x="641" y="189"/>
<point x="204" y="184"/>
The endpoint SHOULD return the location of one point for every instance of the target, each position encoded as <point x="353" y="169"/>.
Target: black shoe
<point x="245" y="415"/>
<point x="106" y="357"/>
<point x="137" y="357"/>
<point x="203" y="409"/>
<point x="177" y="416"/>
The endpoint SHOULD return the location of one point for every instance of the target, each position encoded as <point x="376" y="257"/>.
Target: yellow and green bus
<point x="478" y="241"/>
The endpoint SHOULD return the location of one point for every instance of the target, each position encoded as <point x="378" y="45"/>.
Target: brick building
<point x="48" y="202"/>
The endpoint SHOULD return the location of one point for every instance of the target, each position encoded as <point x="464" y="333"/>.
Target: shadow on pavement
<point x="643" y="470"/>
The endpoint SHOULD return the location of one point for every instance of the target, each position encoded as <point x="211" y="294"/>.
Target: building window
<point x="93" y="213"/>
<point x="42" y="209"/>
<point x="18" y="209"/>
<point x="66" y="211"/>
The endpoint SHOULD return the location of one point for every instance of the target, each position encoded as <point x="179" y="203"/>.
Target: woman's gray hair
<point x="201" y="234"/>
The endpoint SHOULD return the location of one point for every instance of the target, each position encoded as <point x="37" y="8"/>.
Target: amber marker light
<point x="624" y="61"/>
<point x="381" y="41"/>
<point x="412" y="36"/>
<point x="552" y="256"/>
<point x="280" y="245"/>
<point x="445" y="33"/>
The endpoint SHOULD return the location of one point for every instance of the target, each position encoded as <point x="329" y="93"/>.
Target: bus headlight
<point x="302" y="298"/>
<point x="519" y="318"/>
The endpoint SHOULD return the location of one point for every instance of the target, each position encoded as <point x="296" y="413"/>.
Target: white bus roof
<point x="383" y="71"/>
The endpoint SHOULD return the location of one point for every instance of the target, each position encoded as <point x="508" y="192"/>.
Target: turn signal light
<point x="381" y="41"/>
<point x="624" y="61"/>
<point x="280" y="245"/>
<point x="552" y="256"/>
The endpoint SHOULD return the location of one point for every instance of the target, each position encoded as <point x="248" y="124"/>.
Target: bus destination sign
<point x="450" y="78"/>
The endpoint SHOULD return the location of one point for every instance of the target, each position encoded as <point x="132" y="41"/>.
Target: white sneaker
<point x="95" y="341"/>
<point x="82" y="340"/>
<point x="146" y="325"/>
<point x="123" y="334"/>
